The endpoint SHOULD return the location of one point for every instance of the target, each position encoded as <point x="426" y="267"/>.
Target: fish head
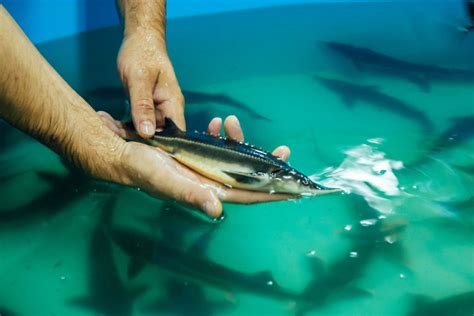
<point x="288" y="180"/>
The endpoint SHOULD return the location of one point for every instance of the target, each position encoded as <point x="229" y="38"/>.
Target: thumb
<point x="143" y="109"/>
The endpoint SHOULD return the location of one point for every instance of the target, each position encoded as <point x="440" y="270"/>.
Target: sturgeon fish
<point x="233" y="163"/>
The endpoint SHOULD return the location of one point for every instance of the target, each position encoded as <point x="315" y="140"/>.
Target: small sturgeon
<point x="233" y="163"/>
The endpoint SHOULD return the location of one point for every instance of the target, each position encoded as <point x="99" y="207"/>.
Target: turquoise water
<point x="75" y="246"/>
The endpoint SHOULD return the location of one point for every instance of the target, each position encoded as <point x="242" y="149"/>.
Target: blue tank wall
<point x="44" y="20"/>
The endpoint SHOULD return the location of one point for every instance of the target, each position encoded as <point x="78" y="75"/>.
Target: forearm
<point x="35" y="99"/>
<point x="142" y="16"/>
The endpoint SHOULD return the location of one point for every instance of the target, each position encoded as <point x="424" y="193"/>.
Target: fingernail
<point x="236" y="120"/>
<point x="146" y="127"/>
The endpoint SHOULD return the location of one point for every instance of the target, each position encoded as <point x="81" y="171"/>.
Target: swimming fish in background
<point x="116" y="94"/>
<point x="206" y="97"/>
<point x="456" y="305"/>
<point x="233" y="163"/>
<point x="367" y="60"/>
<point x="469" y="4"/>
<point x="460" y="131"/>
<point x="351" y="93"/>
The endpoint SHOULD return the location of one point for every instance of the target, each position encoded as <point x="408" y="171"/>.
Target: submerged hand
<point x="147" y="74"/>
<point x="160" y="175"/>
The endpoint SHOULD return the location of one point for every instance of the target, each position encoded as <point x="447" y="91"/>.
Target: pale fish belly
<point x="214" y="169"/>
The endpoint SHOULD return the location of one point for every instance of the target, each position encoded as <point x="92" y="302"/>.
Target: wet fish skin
<point x="233" y="163"/>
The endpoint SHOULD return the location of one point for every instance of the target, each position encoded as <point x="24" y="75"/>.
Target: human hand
<point x="160" y="175"/>
<point x="147" y="74"/>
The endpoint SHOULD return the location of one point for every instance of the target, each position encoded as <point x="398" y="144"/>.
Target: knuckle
<point x="188" y="197"/>
<point x="180" y="99"/>
<point x="143" y="105"/>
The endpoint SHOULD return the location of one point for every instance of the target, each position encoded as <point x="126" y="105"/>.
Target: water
<point x="67" y="242"/>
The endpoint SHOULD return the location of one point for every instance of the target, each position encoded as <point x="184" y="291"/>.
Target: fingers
<point x="215" y="126"/>
<point x="232" y="128"/>
<point x="109" y="122"/>
<point x="282" y="152"/>
<point x="118" y="127"/>
<point x="169" y="98"/>
<point x="141" y="99"/>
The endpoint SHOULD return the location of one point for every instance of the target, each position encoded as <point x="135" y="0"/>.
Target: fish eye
<point x="305" y="181"/>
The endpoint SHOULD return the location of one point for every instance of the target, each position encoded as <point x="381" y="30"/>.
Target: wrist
<point x="144" y="16"/>
<point x="93" y="147"/>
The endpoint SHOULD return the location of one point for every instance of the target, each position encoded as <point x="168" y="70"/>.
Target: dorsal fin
<point x="171" y="128"/>
<point x="169" y="124"/>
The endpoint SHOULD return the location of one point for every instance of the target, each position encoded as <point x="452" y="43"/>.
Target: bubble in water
<point x="402" y="276"/>
<point x="311" y="254"/>
<point x="368" y="222"/>
<point x="367" y="172"/>
<point x="270" y="283"/>
<point x="353" y="254"/>
<point x="375" y="140"/>
<point x="348" y="227"/>
<point x="391" y="239"/>
<point x="63" y="278"/>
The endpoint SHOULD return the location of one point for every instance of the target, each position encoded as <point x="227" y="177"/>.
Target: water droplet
<point x="402" y="188"/>
<point x="272" y="191"/>
<point x="348" y="227"/>
<point x="402" y="276"/>
<point x="270" y="283"/>
<point x="63" y="278"/>
<point x="414" y="186"/>
<point x="353" y="254"/>
<point x="311" y="254"/>
<point x="138" y="189"/>
<point x="382" y="217"/>
<point x="368" y="222"/>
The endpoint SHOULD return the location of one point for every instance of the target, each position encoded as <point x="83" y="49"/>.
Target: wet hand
<point x="147" y="74"/>
<point x="160" y="175"/>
